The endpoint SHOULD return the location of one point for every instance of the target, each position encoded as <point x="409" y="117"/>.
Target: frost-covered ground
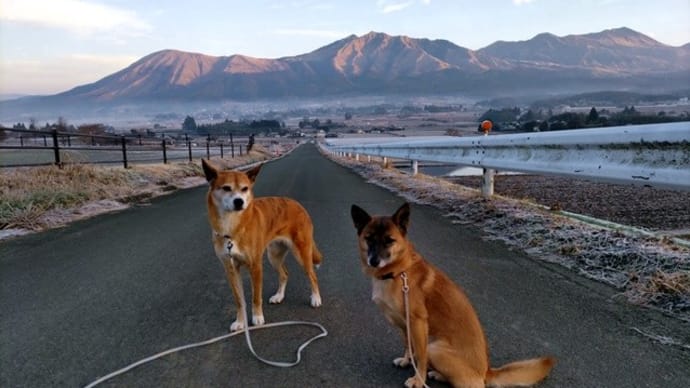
<point x="649" y="271"/>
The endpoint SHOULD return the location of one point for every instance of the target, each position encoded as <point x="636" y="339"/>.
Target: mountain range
<point x="378" y="63"/>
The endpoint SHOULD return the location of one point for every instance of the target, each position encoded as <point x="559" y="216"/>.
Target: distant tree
<point x="61" y="124"/>
<point x="528" y="116"/>
<point x="348" y="116"/>
<point x="570" y="120"/>
<point x="189" y="125"/>
<point x="529" y="126"/>
<point x="32" y="124"/>
<point x="544" y="126"/>
<point x="593" y="116"/>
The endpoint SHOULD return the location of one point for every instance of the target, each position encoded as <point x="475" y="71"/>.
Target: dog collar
<point x="388" y="276"/>
<point x="227" y="237"/>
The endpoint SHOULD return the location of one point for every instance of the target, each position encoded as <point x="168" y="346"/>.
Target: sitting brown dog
<point x="444" y="330"/>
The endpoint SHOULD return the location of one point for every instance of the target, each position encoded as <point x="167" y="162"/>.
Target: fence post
<point x="189" y="148"/>
<point x="21" y="140"/>
<point x="232" y="147"/>
<point x="56" y="148"/>
<point x="165" y="154"/>
<point x="208" y="147"/>
<point x="221" y="150"/>
<point x="415" y="167"/>
<point x="124" y="150"/>
<point x="45" y="141"/>
<point x="240" y="149"/>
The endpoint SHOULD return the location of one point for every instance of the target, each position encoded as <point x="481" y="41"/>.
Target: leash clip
<point x="405" y="287"/>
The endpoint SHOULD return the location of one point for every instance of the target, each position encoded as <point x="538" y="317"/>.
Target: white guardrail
<point x="656" y="155"/>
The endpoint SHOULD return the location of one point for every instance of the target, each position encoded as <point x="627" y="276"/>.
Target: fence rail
<point x="23" y="148"/>
<point x="656" y="155"/>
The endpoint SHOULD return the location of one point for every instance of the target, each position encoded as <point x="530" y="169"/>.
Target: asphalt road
<point x="79" y="302"/>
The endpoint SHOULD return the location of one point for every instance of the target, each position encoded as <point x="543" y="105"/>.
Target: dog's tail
<point x="520" y="373"/>
<point x="316" y="256"/>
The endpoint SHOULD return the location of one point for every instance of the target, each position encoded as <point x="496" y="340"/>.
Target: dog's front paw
<point x="236" y="326"/>
<point x="258" y="320"/>
<point x="315" y="300"/>
<point x="402" y="362"/>
<point x="277" y="298"/>
<point x="414" y="382"/>
<point x="436" y="376"/>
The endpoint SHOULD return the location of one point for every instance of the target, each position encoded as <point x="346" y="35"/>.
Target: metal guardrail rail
<point x="656" y="155"/>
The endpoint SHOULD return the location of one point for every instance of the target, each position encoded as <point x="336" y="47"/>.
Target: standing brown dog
<point x="445" y="332"/>
<point x="243" y="227"/>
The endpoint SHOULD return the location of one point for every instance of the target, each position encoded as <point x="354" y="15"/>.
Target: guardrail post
<point x="488" y="182"/>
<point x="165" y="154"/>
<point x="415" y="167"/>
<point x="56" y="148"/>
<point x="124" y="150"/>
<point x="489" y="173"/>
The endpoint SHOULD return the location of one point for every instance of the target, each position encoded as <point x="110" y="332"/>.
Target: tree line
<point x="228" y="127"/>
<point x="517" y="120"/>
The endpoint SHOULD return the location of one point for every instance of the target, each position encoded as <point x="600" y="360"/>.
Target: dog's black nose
<point x="238" y="202"/>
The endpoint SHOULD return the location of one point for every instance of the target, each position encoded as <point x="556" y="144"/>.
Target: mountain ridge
<point x="376" y="62"/>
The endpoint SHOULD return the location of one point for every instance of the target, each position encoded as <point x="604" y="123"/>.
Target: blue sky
<point x="49" y="46"/>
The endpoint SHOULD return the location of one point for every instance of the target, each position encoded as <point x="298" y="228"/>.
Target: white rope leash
<point x="246" y="331"/>
<point x="406" y="290"/>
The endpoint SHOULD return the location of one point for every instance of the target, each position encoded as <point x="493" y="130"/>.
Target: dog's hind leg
<point x="276" y="251"/>
<point x="449" y="366"/>
<point x="303" y="249"/>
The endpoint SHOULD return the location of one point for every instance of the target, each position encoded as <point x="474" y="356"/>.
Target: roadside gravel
<point x="642" y="207"/>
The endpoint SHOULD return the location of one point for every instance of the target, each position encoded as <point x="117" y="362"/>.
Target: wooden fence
<point x="22" y="148"/>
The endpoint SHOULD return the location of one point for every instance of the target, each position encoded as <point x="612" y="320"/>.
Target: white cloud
<point x="390" y="6"/>
<point x="78" y="16"/>
<point x="387" y="6"/>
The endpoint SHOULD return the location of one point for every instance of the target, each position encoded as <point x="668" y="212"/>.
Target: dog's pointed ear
<point x="254" y="172"/>
<point x="210" y="171"/>
<point x="402" y="217"/>
<point x="360" y="217"/>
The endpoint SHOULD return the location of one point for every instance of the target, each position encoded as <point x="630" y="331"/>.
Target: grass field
<point x="28" y="194"/>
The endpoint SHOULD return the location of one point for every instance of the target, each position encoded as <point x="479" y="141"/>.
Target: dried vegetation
<point x="33" y="199"/>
